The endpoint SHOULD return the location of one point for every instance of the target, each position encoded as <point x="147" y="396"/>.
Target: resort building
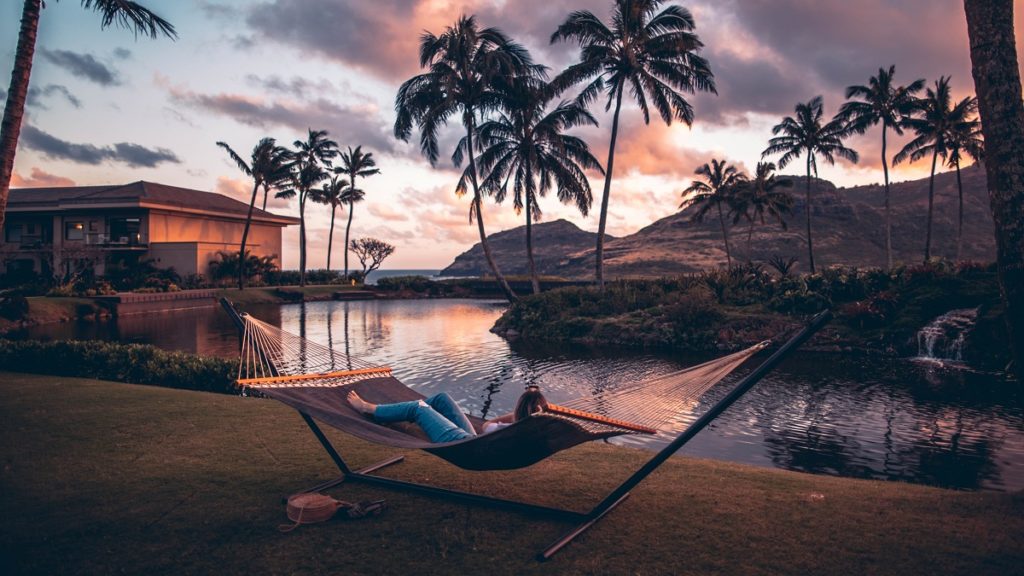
<point x="62" y="230"/>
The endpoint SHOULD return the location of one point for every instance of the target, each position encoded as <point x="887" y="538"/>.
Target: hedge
<point x="134" y="363"/>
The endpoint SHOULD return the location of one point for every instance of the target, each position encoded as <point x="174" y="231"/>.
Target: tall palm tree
<point x="128" y="15"/>
<point x="355" y="163"/>
<point x="267" y="167"/>
<point x="653" y="54"/>
<point x="881" y="101"/>
<point x="997" y="83"/>
<point x="466" y="66"/>
<point x="527" y="144"/>
<point x="718" y="189"/>
<point x="807" y="135"/>
<point x="934" y="115"/>
<point x="762" y="196"/>
<point x="309" y="160"/>
<point x="330" y="194"/>
<point x="964" y="138"/>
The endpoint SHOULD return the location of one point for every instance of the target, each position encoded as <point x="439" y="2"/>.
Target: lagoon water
<point x="899" y="420"/>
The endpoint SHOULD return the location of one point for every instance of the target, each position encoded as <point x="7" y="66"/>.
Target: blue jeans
<point x="438" y="416"/>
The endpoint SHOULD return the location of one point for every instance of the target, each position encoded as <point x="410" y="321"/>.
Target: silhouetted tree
<point x="718" y="189"/>
<point x="354" y="163"/>
<point x="653" y="54"/>
<point x="807" y="135"/>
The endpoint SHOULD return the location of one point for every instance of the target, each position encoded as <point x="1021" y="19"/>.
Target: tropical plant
<point x="881" y="102"/>
<point x="307" y="169"/>
<point x="527" y="144"/>
<point x="997" y="83"/>
<point x="933" y="117"/>
<point x="268" y="167"/>
<point x="371" y="253"/>
<point x="964" y="138"/>
<point x="227" y="265"/>
<point x="784" y="266"/>
<point x="806" y="134"/>
<point x="466" y="67"/>
<point x="654" y="54"/>
<point x="718" y="189"/>
<point x="130" y="15"/>
<point x="354" y="163"/>
<point x="331" y="195"/>
<point x="761" y="196"/>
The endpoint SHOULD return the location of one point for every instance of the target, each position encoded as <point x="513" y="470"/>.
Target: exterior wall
<point x="182" y="256"/>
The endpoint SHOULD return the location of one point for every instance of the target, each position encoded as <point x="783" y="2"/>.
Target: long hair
<point x="531" y="401"/>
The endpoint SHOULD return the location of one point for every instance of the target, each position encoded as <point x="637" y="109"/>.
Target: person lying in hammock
<point x="441" y="419"/>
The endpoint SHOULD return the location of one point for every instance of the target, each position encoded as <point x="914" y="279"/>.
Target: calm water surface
<point x="828" y="414"/>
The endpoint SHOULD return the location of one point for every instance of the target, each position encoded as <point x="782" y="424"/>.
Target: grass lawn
<point x="104" y="478"/>
<point x="268" y="294"/>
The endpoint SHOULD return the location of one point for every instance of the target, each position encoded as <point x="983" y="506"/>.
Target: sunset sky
<point x="107" y="108"/>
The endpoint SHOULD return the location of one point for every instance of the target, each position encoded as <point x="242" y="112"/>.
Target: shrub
<point x="13" y="305"/>
<point x="135" y="363"/>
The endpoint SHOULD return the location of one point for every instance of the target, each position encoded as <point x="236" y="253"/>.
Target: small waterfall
<point x="943" y="338"/>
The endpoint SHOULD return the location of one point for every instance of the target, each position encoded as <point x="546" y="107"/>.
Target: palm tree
<point x="466" y="65"/>
<point x="527" y="144"/>
<point x="330" y="194"/>
<point x="267" y="168"/>
<point x="964" y="137"/>
<point x="881" y="102"/>
<point x="997" y="83"/>
<point x="761" y="196"/>
<point x="128" y="15"/>
<point x="934" y="115"/>
<point x="654" y="54"/>
<point x="806" y="135"/>
<point x="355" y="163"/>
<point x="718" y="188"/>
<point x="309" y="159"/>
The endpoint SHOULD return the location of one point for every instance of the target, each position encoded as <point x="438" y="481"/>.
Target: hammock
<point x="315" y="380"/>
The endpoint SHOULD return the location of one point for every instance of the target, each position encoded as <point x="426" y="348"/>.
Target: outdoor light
<point x="79" y="226"/>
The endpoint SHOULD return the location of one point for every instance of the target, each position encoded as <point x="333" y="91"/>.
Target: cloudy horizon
<point x="106" y="108"/>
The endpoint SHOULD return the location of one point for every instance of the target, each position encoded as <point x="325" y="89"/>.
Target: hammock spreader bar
<point x="584" y="520"/>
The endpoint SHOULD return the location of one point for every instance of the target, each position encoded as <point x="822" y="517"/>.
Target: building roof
<point x="137" y="195"/>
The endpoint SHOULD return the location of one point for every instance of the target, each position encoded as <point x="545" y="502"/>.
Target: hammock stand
<point x="582" y="520"/>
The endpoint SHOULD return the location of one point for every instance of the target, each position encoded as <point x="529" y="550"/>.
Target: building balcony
<point x="133" y="240"/>
<point x="26" y="242"/>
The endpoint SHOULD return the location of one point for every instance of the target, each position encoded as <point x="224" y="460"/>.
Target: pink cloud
<point x="39" y="179"/>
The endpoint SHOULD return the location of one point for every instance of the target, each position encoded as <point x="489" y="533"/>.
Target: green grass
<point x="268" y="294"/>
<point x="104" y="478"/>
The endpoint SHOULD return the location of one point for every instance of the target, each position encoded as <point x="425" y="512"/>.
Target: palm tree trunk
<point x="997" y="83"/>
<point x="266" y="192"/>
<point x="351" y="207"/>
<point x="931" y="208"/>
<point x="810" y="243"/>
<point x="960" y="216"/>
<point x="603" y="220"/>
<point x="330" y="237"/>
<point x="750" y="233"/>
<point x="478" y="207"/>
<point x="245" y="236"/>
<point x="17" y="93"/>
<point x="302" y="238"/>
<point x="725" y="236"/>
<point x="529" y="245"/>
<point x="888" y="215"/>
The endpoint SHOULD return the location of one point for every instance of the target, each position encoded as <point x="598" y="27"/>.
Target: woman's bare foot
<point x="361" y="405"/>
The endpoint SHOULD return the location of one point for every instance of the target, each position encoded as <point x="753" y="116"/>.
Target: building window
<point x="74" y="231"/>
<point x="93" y="226"/>
<point x="13" y="233"/>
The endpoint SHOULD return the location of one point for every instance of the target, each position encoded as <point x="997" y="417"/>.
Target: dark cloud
<point x="296" y="86"/>
<point x="134" y="155"/>
<point x="36" y="95"/>
<point x="346" y="124"/>
<point x="218" y="10"/>
<point x="122" y="53"/>
<point x="83" y="66"/>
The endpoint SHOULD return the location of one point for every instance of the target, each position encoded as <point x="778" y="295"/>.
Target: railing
<point x="134" y="239"/>
<point x="33" y="241"/>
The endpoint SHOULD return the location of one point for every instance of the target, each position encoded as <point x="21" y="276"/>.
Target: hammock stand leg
<point x="365" y="475"/>
<point x="619" y="494"/>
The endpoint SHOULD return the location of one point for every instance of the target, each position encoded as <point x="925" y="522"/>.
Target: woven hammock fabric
<point x="315" y="380"/>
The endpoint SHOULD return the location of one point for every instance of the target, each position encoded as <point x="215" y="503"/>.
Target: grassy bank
<point x="103" y="478"/>
<point x="876" y="311"/>
<point x="47" y="310"/>
<point x="283" y="294"/>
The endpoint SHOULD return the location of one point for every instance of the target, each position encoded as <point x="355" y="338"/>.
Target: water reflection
<point x="859" y="417"/>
